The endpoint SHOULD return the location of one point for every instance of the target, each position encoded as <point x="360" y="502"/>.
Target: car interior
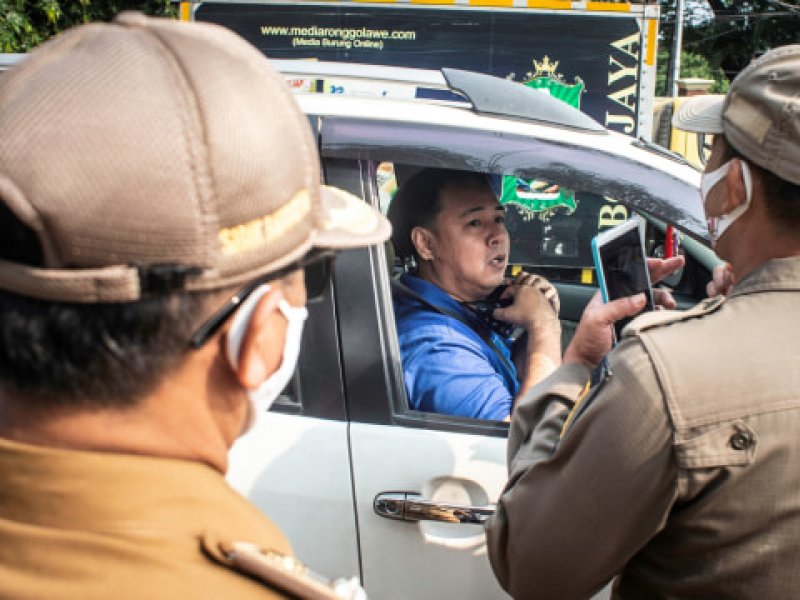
<point x="551" y="227"/>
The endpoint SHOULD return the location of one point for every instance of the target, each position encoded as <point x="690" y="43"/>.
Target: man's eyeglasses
<point x="317" y="266"/>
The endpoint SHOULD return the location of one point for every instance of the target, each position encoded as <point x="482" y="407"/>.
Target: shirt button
<point x="741" y="440"/>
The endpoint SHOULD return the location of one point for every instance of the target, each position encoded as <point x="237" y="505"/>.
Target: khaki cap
<point x="146" y="142"/>
<point x="760" y="114"/>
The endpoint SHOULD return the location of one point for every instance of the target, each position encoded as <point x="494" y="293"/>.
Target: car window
<point x="550" y="226"/>
<point x="315" y="388"/>
<point x="550" y="238"/>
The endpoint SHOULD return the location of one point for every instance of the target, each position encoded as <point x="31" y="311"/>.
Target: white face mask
<point x="265" y="394"/>
<point x="718" y="225"/>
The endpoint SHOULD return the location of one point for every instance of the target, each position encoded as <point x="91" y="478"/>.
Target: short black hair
<point x="59" y="355"/>
<point x="418" y="202"/>
<point x="781" y="197"/>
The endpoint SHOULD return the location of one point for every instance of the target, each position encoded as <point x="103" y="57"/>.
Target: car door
<point x="402" y="459"/>
<point x="423" y="483"/>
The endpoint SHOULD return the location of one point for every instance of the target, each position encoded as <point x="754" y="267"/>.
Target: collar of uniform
<point x="778" y="274"/>
<point x="104" y="491"/>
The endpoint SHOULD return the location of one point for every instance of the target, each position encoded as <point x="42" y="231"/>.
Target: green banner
<point x="539" y="196"/>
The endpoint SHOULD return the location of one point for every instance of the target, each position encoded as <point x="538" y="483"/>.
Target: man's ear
<point x="261" y="351"/>
<point x="737" y="193"/>
<point x="422" y="239"/>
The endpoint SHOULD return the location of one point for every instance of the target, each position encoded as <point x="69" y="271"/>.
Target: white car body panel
<point x="427" y="559"/>
<point x="388" y="109"/>
<point x="296" y="469"/>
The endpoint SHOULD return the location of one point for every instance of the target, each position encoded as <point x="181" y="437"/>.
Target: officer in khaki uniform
<point x="159" y="197"/>
<point x="677" y="472"/>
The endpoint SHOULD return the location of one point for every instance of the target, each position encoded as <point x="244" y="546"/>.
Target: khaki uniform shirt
<point x="680" y="472"/>
<point x="104" y="525"/>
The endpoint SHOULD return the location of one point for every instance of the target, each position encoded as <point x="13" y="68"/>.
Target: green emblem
<point x="533" y="195"/>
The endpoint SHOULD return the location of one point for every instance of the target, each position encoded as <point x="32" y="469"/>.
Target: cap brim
<point x="700" y="114"/>
<point x="348" y="222"/>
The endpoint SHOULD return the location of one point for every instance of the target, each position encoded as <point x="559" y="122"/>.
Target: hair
<point x="781" y="197"/>
<point x="73" y="355"/>
<point x="417" y="203"/>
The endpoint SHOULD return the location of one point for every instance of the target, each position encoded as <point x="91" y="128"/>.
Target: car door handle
<point x="410" y="506"/>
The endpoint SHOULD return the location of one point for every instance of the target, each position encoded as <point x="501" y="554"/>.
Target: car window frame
<point x="645" y="189"/>
<point x="372" y="369"/>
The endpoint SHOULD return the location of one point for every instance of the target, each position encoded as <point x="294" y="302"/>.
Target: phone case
<point x="609" y="237"/>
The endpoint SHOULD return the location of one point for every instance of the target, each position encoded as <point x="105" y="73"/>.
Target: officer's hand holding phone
<point x="593" y="337"/>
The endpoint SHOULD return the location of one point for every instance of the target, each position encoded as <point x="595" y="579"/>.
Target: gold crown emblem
<point x="545" y="68"/>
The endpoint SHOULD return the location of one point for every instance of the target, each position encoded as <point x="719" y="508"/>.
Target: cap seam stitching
<point x="188" y="94"/>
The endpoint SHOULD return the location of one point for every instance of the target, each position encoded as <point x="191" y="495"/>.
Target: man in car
<point x="454" y="359"/>
<point x="159" y="196"/>
<point x="677" y="471"/>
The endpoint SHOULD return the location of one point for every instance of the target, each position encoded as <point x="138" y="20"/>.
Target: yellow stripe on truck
<point x="652" y="37"/>
<point x="551" y="4"/>
<point x="186" y="11"/>
<point x="503" y="3"/>
<point x="541" y="4"/>
<point x="608" y="6"/>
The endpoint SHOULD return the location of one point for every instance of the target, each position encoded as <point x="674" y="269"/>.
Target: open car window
<point x="550" y="228"/>
<point x="550" y="225"/>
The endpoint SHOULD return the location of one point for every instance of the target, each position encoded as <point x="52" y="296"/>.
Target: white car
<point x="361" y="484"/>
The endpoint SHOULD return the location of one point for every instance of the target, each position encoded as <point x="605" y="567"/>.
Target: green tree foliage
<point x="730" y="33"/>
<point x="697" y="65"/>
<point x="27" y="23"/>
<point x="692" y="65"/>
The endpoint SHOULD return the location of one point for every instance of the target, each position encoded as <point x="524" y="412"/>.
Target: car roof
<point x="535" y="134"/>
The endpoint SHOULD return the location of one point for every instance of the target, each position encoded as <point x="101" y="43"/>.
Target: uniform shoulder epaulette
<point x="281" y="571"/>
<point x="659" y="318"/>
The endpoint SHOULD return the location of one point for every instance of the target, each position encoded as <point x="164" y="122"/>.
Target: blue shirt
<point x="448" y="368"/>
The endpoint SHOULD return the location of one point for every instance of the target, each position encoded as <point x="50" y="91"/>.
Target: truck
<point x="598" y="56"/>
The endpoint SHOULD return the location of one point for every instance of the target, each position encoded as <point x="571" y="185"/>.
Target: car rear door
<point x="295" y="464"/>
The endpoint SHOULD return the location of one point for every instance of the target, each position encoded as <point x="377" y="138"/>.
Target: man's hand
<point x="722" y="281"/>
<point x="660" y="268"/>
<point x="534" y="308"/>
<point x="592" y="340"/>
<point x="537" y="281"/>
<point x="535" y="303"/>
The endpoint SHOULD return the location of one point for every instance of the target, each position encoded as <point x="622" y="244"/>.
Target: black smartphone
<point x="485" y="308"/>
<point x="621" y="266"/>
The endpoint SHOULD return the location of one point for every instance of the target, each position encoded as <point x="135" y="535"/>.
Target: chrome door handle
<point x="410" y="506"/>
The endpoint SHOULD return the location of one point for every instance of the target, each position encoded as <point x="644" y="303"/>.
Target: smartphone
<point x="621" y="266"/>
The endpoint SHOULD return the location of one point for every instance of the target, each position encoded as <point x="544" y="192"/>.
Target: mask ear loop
<point x="748" y="189"/>
<point x="718" y="225"/>
<point x="748" y="181"/>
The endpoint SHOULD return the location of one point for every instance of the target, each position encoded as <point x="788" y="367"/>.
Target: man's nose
<point x="497" y="234"/>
